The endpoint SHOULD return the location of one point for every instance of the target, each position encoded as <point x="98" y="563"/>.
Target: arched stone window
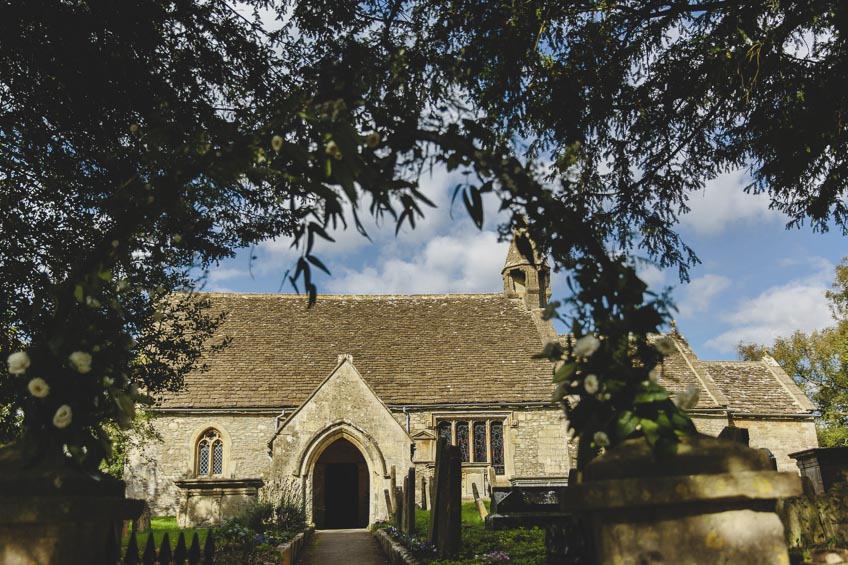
<point x="210" y="454"/>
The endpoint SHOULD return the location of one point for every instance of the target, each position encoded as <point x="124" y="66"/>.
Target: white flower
<point x="332" y="149"/>
<point x="586" y="346"/>
<point x="688" y="398"/>
<point x="372" y="139"/>
<point x="654" y="375"/>
<point x="80" y="361"/>
<point x="601" y="439"/>
<point x="276" y="143"/>
<point x="18" y="362"/>
<point x="63" y="416"/>
<point x="38" y="387"/>
<point x="590" y="383"/>
<point x="665" y="346"/>
<point x="108" y="381"/>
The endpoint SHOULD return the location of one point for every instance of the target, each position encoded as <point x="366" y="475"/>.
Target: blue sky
<point x="757" y="280"/>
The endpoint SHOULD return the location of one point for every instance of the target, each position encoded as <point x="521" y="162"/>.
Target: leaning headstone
<point x="446" y="511"/>
<point x="409" y="503"/>
<point x="481" y="508"/>
<point x="398" y="517"/>
<point x="439" y="471"/>
<point x="393" y="486"/>
<point x="390" y="509"/>
<point x="423" y="493"/>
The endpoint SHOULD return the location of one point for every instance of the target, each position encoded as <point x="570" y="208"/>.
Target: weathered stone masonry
<point x="356" y="385"/>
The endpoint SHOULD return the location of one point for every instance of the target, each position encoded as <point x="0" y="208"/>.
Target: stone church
<point x="329" y="400"/>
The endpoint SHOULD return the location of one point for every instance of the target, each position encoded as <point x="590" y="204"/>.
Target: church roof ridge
<point x="293" y="296"/>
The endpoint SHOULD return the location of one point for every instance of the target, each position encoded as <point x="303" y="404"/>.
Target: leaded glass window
<point x="217" y="457"/>
<point x="462" y="440"/>
<point x="497" y="443"/>
<point x="445" y="431"/>
<point x="210" y="454"/>
<point x="203" y="459"/>
<point x="480" y="451"/>
<point x="480" y="440"/>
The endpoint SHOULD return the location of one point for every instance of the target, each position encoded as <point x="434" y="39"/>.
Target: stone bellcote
<point x="525" y="278"/>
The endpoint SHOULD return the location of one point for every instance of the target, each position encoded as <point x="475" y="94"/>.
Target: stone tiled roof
<point x="752" y="387"/>
<point x="423" y="349"/>
<point x="760" y="387"/>
<point x="755" y="387"/>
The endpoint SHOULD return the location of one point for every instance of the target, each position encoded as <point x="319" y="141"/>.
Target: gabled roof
<point x="759" y="387"/>
<point x="413" y="349"/>
<point x="745" y="387"/>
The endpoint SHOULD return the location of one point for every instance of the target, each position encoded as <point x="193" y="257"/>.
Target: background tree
<point x="818" y="362"/>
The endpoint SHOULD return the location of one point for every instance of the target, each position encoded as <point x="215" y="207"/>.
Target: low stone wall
<point x="395" y="552"/>
<point x="291" y="551"/>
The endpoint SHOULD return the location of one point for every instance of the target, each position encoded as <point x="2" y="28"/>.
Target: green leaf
<point x="654" y="394"/>
<point x="79" y="293"/>
<point x="474" y="205"/>
<point x="565" y="372"/>
<point x="626" y="424"/>
<point x="317" y="262"/>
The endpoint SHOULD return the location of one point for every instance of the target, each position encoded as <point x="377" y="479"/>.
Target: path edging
<point x="290" y="552"/>
<point x="395" y="552"/>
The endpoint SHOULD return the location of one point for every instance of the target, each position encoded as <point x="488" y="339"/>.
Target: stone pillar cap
<point x="696" y="455"/>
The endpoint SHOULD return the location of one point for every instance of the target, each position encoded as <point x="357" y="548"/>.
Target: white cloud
<point x="651" y="275"/>
<point x="469" y="261"/>
<point x="723" y="203"/>
<point x="696" y="297"/>
<point x="799" y="304"/>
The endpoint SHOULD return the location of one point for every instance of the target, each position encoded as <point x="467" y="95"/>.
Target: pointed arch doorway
<point x="341" y="487"/>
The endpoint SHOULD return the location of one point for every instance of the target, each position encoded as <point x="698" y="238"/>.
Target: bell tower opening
<point x="524" y="277"/>
<point x="341" y="487"/>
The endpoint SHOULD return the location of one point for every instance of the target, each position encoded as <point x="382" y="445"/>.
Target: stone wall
<point x="343" y="407"/>
<point x="782" y="437"/>
<point x="539" y="445"/>
<point x="535" y="444"/>
<point x="534" y="438"/>
<point x="151" y="473"/>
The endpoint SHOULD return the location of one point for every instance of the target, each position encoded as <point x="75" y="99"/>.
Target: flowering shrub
<point x="418" y="547"/>
<point x="253" y="537"/>
<point x="238" y="544"/>
<point x="607" y="373"/>
<point x="493" y="558"/>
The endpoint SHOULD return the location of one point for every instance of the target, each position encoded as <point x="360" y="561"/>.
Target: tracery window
<point x="497" y="447"/>
<point x="210" y="454"/>
<point x="462" y="440"/>
<point x="480" y="440"/>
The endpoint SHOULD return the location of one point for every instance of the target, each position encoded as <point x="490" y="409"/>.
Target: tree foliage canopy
<point x="142" y="140"/>
<point x="818" y="362"/>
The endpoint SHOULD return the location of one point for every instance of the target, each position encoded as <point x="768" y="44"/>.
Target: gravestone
<point x="446" y="512"/>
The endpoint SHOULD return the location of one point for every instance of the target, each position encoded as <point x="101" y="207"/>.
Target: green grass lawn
<point x="524" y="547"/>
<point x="161" y="525"/>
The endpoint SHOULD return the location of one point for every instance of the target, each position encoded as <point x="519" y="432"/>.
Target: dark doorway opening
<point x="342" y="495"/>
<point x="341" y="487"/>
